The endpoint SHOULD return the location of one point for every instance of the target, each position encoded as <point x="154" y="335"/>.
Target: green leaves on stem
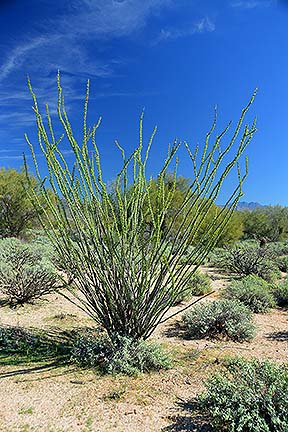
<point x="126" y="275"/>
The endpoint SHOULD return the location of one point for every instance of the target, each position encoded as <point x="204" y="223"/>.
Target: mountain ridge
<point x="244" y="205"/>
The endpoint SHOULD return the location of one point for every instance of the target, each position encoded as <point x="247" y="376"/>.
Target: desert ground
<point x="51" y="396"/>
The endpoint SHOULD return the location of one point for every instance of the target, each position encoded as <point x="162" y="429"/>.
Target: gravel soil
<point x="46" y="397"/>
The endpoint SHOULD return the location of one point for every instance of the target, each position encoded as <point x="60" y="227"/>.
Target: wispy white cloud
<point x="67" y="43"/>
<point x="202" y="26"/>
<point x="18" y="55"/>
<point x="251" y="4"/>
<point x="10" y="150"/>
<point x="9" y="157"/>
<point x="15" y="119"/>
<point x="85" y="21"/>
<point x="6" y="154"/>
<point x="7" y="97"/>
<point x="108" y="18"/>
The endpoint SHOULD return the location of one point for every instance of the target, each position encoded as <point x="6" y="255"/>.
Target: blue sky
<point x="175" y="58"/>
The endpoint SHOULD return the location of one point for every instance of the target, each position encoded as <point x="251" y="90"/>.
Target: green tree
<point x="17" y="213"/>
<point x="231" y="232"/>
<point x="125" y="278"/>
<point x="177" y="188"/>
<point x="278" y="222"/>
<point x="269" y="221"/>
<point x="255" y="223"/>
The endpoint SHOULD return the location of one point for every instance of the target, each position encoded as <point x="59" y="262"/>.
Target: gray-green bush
<point x="25" y="272"/>
<point x="18" y="339"/>
<point x="253" y="291"/>
<point x="216" y="257"/>
<point x="122" y="355"/>
<point x="199" y="284"/>
<point x="17" y="344"/>
<point x="118" y="259"/>
<point x="245" y="260"/>
<point x="279" y="248"/>
<point x="247" y="396"/>
<point x="280" y="293"/>
<point x="228" y="319"/>
<point x="282" y="263"/>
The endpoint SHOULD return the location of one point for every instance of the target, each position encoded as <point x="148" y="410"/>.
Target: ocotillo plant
<point x="125" y="274"/>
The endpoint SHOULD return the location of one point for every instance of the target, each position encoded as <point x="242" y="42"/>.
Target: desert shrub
<point x="17" y="343"/>
<point x="280" y="293"/>
<point x="282" y="263"/>
<point x="197" y="285"/>
<point x="247" y="396"/>
<point x="25" y="272"/>
<point x="216" y="257"/>
<point x="118" y="355"/>
<point x="253" y="291"/>
<point x="228" y="319"/>
<point x="17" y="339"/>
<point x="48" y="251"/>
<point x="200" y="284"/>
<point x="184" y="259"/>
<point x="124" y="276"/>
<point x="41" y="241"/>
<point x="246" y="260"/>
<point x="273" y="275"/>
<point x="279" y="248"/>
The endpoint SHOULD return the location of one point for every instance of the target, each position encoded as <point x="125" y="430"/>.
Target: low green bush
<point x="248" y="260"/>
<point x="198" y="284"/>
<point x="247" y="396"/>
<point x="216" y="257"/>
<point x="222" y="318"/>
<point x="17" y="339"/>
<point x="282" y="263"/>
<point x="18" y="345"/>
<point x="43" y="244"/>
<point x="279" y="248"/>
<point x="253" y="291"/>
<point x="186" y="257"/>
<point x="280" y="293"/>
<point x="25" y="272"/>
<point x="122" y="355"/>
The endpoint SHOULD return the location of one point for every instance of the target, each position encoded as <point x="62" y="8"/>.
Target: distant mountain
<point x="243" y="205"/>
